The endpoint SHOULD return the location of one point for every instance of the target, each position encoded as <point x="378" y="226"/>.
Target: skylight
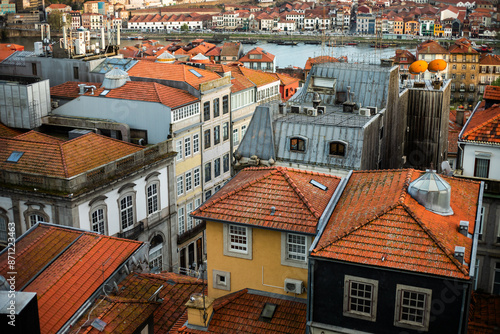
<point x="268" y="312"/>
<point x="319" y="185"/>
<point x="104" y="92"/>
<point x="198" y="75"/>
<point x="15" y="156"/>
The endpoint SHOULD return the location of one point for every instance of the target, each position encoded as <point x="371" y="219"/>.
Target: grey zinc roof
<point x="110" y="63"/>
<point x="369" y="83"/>
<point x="258" y="139"/>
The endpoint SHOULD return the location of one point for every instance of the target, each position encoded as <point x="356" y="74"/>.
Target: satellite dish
<point x="445" y="166"/>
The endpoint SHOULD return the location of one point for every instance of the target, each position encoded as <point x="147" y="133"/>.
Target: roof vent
<point x="459" y="254"/>
<point x="316" y="100"/>
<point x="464" y="227"/>
<point x="115" y="78"/>
<point x="431" y="191"/>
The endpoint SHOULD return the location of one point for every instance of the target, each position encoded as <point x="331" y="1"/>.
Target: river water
<point x="287" y="55"/>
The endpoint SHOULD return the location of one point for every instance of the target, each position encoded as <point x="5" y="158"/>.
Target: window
<point x="225" y="163"/>
<point x="189" y="209"/>
<point x="127" y="212"/>
<point x="196" y="143"/>
<point x="156" y="255"/>
<point x="236" y="138"/>
<point x="243" y="130"/>
<point x="453" y="76"/>
<point x="217" y="135"/>
<point x="189" y="185"/>
<point x="75" y="73"/>
<point x="413" y="307"/>
<point x="238" y="239"/>
<point x="360" y="298"/>
<point x="180" y="185"/>
<point x="216" y="108"/>
<point x="297" y="144"/>
<point x="225" y="131"/>
<point x="180" y="220"/>
<point x="187" y="146"/>
<point x="472" y="76"/>
<point x="35" y="219"/>
<point x="463" y="76"/>
<point x="196" y="177"/>
<point x="337" y="148"/>
<point x="454" y="66"/>
<point x="221" y="279"/>
<point x="296" y="247"/>
<point x="178" y="148"/>
<point x="206" y="137"/>
<point x="152" y="198"/>
<point x="496" y="280"/>
<point x="98" y="221"/>
<point x="33" y="69"/>
<point x="208" y="171"/>
<point x="217" y="167"/>
<point x="464" y="67"/>
<point x="206" y="111"/>
<point x="225" y="104"/>
<point x="208" y="194"/>
<point x="482" y="167"/>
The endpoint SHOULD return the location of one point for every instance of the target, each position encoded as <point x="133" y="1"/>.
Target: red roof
<point x="376" y="222"/>
<point x="70" y="89"/>
<point x="150" y="92"/>
<point x="5" y="131"/>
<point x="492" y="93"/>
<point x="319" y="60"/>
<point x="484" y="126"/>
<point x="484" y="314"/>
<point x="239" y="312"/>
<point x="250" y="195"/>
<point x="72" y="274"/>
<point x="171" y="72"/>
<point x="431" y="47"/>
<point x="266" y="57"/>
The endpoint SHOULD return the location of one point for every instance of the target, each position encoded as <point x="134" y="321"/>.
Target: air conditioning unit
<point x="373" y="110"/>
<point x="293" y="286"/>
<point x="312" y="112"/>
<point x="295" y="109"/>
<point x="365" y="112"/>
<point x="321" y="109"/>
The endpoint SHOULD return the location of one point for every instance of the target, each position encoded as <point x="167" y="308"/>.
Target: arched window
<point x="98" y="222"/>
<point x="35" y="219"/>
<point x="297" y="144"/>
<point x="98" y="214"/>
<point x="156" y="253"/>
<point x="337" y="148"/>
<point x="127" y="212"/>
<point x="4" y="222"/>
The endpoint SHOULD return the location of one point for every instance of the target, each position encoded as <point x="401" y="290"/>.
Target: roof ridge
<point x="484" y="123"/>
<point x="406" y="184"/>
<point x="230" y="298"/>
<point x="234" y="191"/>
<point x="299" y="192"/>
<point x="63" y="160"/>
<point x="436" y="241"/>
<point x="357" y="227"/>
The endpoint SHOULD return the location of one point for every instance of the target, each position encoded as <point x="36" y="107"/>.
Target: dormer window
<point x="297" y="144"/>
<point x="337" y="148"/>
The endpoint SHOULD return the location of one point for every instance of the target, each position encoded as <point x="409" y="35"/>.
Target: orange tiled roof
<point x="175" y="293"/>
<point x="39" y="137"/>
<point x="492" y="93"/>
<point x="484" y="126"/>
<point x="230" y="49"/>
<point x="5" y="131"/>
<point x="258" y="78"/>
<point x="70" y="278"/>
<point x="62" y="159"/>
<point x="431" y="47"/>
<point x="266" y="56"/>
<point x="172" y="72"/>
<point x="376" y="222"/>
<point x="286" y="79"/>
<point x="319" y="60"/>
<point x="148" y="91"/>
<point x="489" y="59"/>
<point x="484" y="314"/>
<point x="239" y="312"/>
<point x="70" y="89"/>
<point x="250" y="195"/>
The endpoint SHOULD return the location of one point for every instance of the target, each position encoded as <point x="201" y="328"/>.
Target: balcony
<point x="133" y="233"/>
<point x="191" y="233"/>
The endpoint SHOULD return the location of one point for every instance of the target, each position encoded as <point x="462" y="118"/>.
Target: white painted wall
<point x="470" y="152"/>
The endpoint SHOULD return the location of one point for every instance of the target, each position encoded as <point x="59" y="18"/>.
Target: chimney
<point x="200" y="310"/>
<point x="459" y="254"/>
<point x="460" y="116"/>
<point x="464" y="227"/>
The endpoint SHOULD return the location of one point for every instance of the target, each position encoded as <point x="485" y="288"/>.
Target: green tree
<point x="496" y="82"/>
<point x="184" y="27"/>
<point x="55" y="20"/>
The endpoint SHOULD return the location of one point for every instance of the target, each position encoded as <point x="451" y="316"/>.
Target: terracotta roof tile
<point x="35" y="136"/>
<point x="490" y="59"/>
<point x="266" y="56"/>
<point x="172" y="72"/>
<point x="70" y="89"/>
<point x="175" y="293"/>
<point x="431" y="47"/>
<point x="319" y="60"/>
<point x="484" y="126"/>
<point x="376" y="222"/>
<point x="62" y="159"/>
<point x="250" y="195"/>
<point x="286" y="79"/>
<point x="5" y="131"/>
<point x="492" y="93"/>
<point x="258" y="78"/>
<point x="148" y="91"/>
<point x="73" y="274"/>
<point x="239" y="312"/>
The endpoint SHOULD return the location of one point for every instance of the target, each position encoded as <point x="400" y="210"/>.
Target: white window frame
<point x="286" y="260"/>
<point x="179" y="148"/>
<point x="36" y="218"/>
<point x="352" y="284"/>
<point x="196" y="177"/>
<point x="229" y="251"/>
<point x="129" y="210"/>
<point x="398" y="322"/>
<point x="181" y="220"/>
<point x="189" y="220"/>
<point x="180" y="185"/>
<point x="98" y="219"/>
<point x="187" y="146"/>
<point x="156" y="256"/>
<point x="152" y="198"/>
<point x="189" y="181"/>
<point x="236" y="137"/>
<point x="196" y="143"/>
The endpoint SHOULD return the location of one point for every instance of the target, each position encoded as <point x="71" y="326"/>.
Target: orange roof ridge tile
<point x="234" y="191"/>
<point x="406" y="184"/>
<point x="436" y="241"/>
<point x="63" y="160"/>
<point x="300" y="194"/>
<point x="229" y="298"/>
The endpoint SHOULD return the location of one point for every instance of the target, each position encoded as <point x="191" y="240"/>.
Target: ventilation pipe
<point x="459" y="254"/>
<point x="464" y="227"/>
